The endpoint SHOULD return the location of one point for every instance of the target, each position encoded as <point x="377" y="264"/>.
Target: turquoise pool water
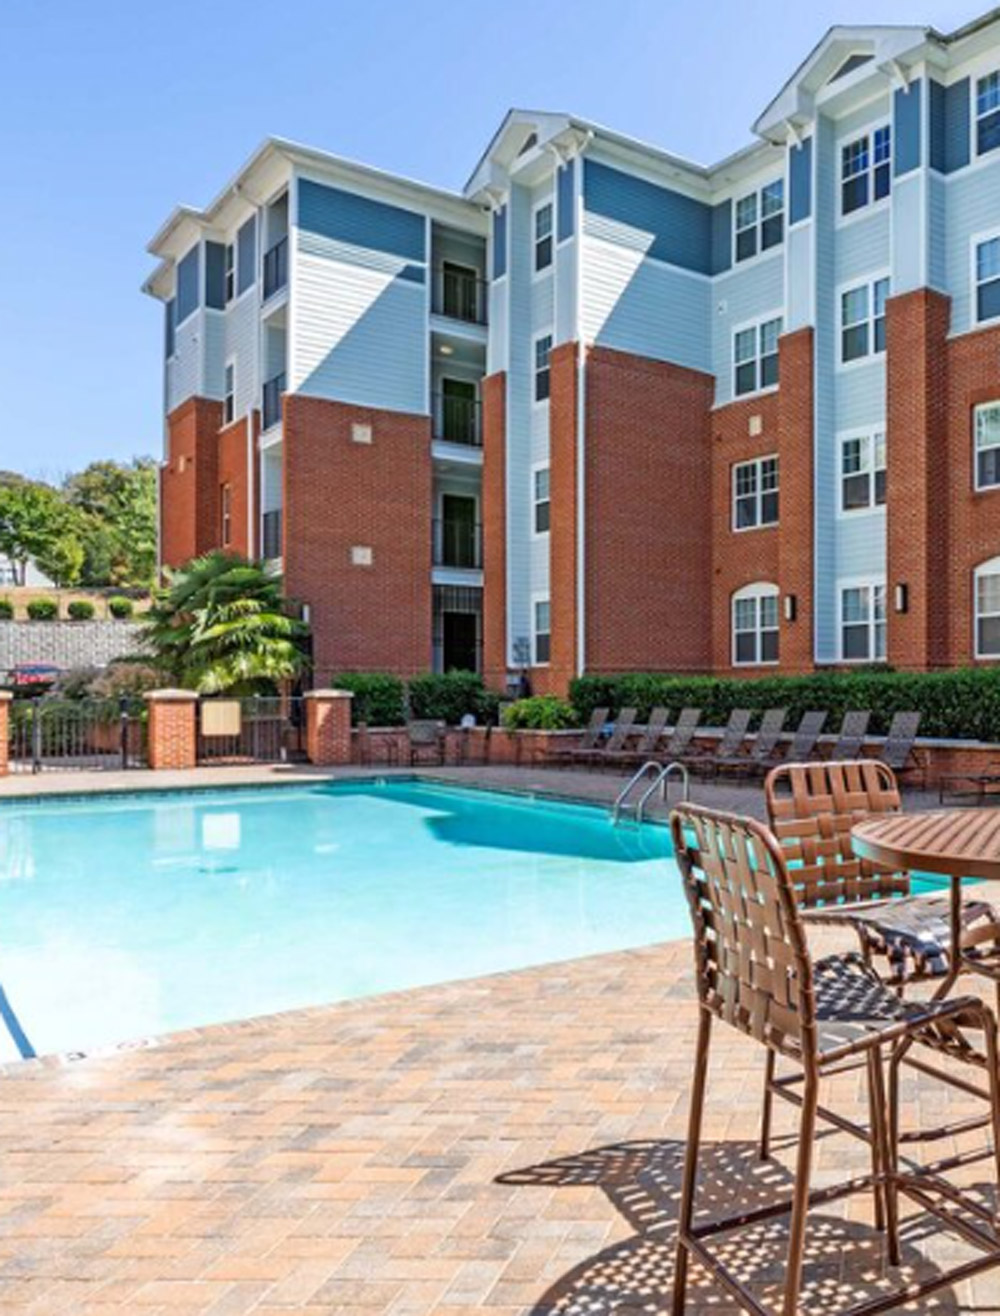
<point x="122" y="918"/>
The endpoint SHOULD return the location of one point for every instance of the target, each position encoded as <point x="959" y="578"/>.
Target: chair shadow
<point x="844" y="1260"/>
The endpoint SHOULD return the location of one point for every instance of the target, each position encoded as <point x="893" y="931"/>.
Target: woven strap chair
<point x="754" y="973"/>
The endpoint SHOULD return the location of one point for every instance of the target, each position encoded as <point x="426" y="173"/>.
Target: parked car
<point x="32" y="676"/>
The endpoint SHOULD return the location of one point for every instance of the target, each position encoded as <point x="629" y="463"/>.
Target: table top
<point x="952" y="842"/>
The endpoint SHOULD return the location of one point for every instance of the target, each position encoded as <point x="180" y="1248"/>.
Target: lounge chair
<point x="803" y="745"/>
<point x="679" y="743"/>
<point x="591" y="736"/>
<point x="729" y="747"/>
<point x="759" y="757"/>
<point x="617" y="741"/>
<point x="425" y="741"/>
<point x="897" y="751"/>
<point x="648" y="742"/>
<point x="853" y="730"/>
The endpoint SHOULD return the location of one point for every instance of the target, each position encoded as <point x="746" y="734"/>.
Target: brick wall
<point x="189" y="481"/>
<point x="328" y="727"/>
<point x="341" y="495"/>
<point x="172" y="729"/>
<point x="494" y="520"/>
<point x="232" y="470"/>
<point x="796" y="446"/>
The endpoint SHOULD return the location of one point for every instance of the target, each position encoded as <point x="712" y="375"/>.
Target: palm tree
<point x="223" y="624"/>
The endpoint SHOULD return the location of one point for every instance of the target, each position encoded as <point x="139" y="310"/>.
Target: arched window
<point x="755" y="625"/>
<point x="986" y="599"/>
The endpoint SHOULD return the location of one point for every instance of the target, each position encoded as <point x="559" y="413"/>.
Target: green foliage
<point x="539" y="713"/>
<point x="6" y="610"/>
<point x="963" y="704"/>
<point x="378" y="697"/>
<point x="120" y="608"/>
<point x="223" y="625"/>
<point x="43" y="609"/>
<point x="80" y="610"/>
<point x="37" y="525"/>
<point x="116" y="506"/>
<point x="449" y="696"/>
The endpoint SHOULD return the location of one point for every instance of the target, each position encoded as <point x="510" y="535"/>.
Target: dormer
<point x="523" y="150"/>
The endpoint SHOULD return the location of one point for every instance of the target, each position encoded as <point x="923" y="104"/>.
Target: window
<point x="760" y="220"/>
<point x="755" y="493"/>
<point x="862" y="623"/>
<point x="543" y="237"/>
<point x="543" y="506"/>
<point x="986" y="423"/>
<point x="246" y="255"/>
<point x="862" y="320"/>
<point x="987" y="113"/>
<point x="230" y="272"/>
<point x="229" y="394"/>
<point x="987" y="587"/>
<point x="170" y="343"/>
<point x="226" y="502"/>
<point x="543" y="346"/>
<point x="865" y="169"/>
<point x="862" y="472"/>
<point x="542" y="631"/>
<point x="755" y="357"/>
<point x="755" y="625"/>
<point x="188" y="280"/>
<point x="988" y="279"/>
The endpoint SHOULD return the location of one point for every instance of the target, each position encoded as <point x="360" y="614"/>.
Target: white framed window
<point x="226" y="511"/>
<point x="230" y="272"/>
<point x="755" y="625"/>
<point x="542" y="506"/>
<point x="759" y="220"/>
<point x="862" y="471"/>
<point x="229" y="394"/>
<point x="755" y="493"/>
<point x="862" y="320"/>
<point x="542" y="229"/>
<point x="755" y="356"/>
<point x="543" y="348"/>
<point x="865" y="169"/>
<point x="541" y="631"/>
<point x="986" y="275"/>
<point x="986" y="431"/>
<point x="987" y="113"/>
<point x="986" y="585"/>
<point x="862" y="621"/>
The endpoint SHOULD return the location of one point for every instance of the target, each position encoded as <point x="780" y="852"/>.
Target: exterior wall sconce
<point x="791" y="607"/>
<point x="902" y="598"/>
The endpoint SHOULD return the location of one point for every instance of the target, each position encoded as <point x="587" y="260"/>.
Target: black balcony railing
<point x="272" y="545"/>
<point x="458" y="544"/>
<point x="271" y="401"/>
<point x="459" y="294"/>
<point x="275" y="268"/>
<point x="457" y="420"/>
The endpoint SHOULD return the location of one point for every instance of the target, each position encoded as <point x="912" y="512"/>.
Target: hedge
<point x="449" y="696"/>
<point x="80" y="610"/>
<point x="379" y="698"/>
<point x="120" y="607"/>
<point x="957" y="704"/>
<point x="43" y="609"/>
<point x="6" y="610"/>
<point x="539" y="713"/>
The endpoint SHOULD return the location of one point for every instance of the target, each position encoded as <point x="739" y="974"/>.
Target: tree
<point x="37" y="525"/>
<point x="222" y="624"/>
<point x="117" y="503"/>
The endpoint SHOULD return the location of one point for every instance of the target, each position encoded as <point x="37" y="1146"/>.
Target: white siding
<point x="241" y="344"/>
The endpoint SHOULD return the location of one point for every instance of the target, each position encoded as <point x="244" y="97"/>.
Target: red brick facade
<point x="328" y="727"/>
<point x="234" y="473"/>
<point x="358" y="534"/>
<point x="172" y="736"/>
<point x="189" y="482"/>
<point x="494" y="519"/>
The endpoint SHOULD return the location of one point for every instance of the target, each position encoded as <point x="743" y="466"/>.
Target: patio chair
<point x="729" y="747"/>
<point x="754" y="973"/>
<point x="807" y="733"/>
<point x="898" y="750"/>
<point x="591" y="736"/>
<point x="853" y="730"/>
<point x="425" y="740"/>
<point x="647" y="744"/>
<point x="679" y="743"/>
<point x="623" y="729"/>
<point x="759" y="758"/>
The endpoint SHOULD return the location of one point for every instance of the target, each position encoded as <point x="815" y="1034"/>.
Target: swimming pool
<point x="126" y="917"/>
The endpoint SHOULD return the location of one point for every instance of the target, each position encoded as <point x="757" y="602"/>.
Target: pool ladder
<point x="654" y="777"/>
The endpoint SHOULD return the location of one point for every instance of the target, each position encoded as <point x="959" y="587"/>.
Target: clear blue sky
<point x="113" y="111"/>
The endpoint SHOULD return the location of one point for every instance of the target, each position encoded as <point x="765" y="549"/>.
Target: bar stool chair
<point x="754" y="973"/>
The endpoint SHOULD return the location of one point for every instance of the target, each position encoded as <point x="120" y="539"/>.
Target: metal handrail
<point x="659" y="782"/>
<point x="634" y="780"/>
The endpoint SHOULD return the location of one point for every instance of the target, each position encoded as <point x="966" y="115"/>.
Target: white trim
<point x="976" y="240"/>
<point x="540" y="596"/>
<point x="991" y="567"/>
<point x="758" y="224"/>
<point x="868" y="281"/>
<point x="873" y="204"/>
<point x="758" y="495"/>
<point x="548" y="333"/>
<point x="535" y="501"/>
<point x="536" y="209"/>
<point x="975" y="154"/>
<point x="229" y="420"/>
<point x="766" y="318"/>
<point x="756" y="590"/>
<point x="846" y="436"/>
<point x="869" y="582"/>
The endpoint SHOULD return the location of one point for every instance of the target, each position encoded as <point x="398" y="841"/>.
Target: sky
<point x="113" y="111"/>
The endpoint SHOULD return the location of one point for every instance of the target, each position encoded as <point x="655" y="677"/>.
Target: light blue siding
<point x="359" y="221"/>
<point x="662" y="223"/>
<point x="799" y="312"/>
<point x="188" y="284"/>
<point x="907" y="234"/>
<point x="246" y="255"/>
<point x="565" y="291"/>
<point x="825" y="476"/>
<point x="722" y="236"/>
<point x="906" y="128"/>
<point x="937" y="209"/>
<point x="520" y="378"/>
<point x="214" y="348"/>
<point x="745" y="293"/>
<point x="184" y="371"/>
<point x="862" y="246"/>
<point x="860" y="394"/>
<point x="861" y="544"/>
<point x="950" y="126"/>
<point x="241" y="345"/>
<point x="215" y="275"/>
<point x="973" y="207"/>
<point x="800" y="182"/>
<point x="500" y="242"/>
<point x="861" y="120"/>
<point x="566" y="202"/>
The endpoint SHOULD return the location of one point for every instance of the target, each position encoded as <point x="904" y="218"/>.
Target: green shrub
<point x="6" y="610"/>
<point x="539" y="713"/>
<point x="449" y="696"/>
<point x="43" y="609"/>
<point x="963" y="704"/>
<point x="80" y="610"/>
<point x="378" y="698"/>
<point x="120" y="607"/>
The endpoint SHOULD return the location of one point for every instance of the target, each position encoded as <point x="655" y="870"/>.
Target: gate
<point x="255" y="729"/>
<point x="51" y="734"/>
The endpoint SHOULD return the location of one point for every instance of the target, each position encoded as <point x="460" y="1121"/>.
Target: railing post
<point x="123" y="730"/>
<point x="36" y="736"/>
<point x="5" y="724"/>
<point x="173" y="717"/>
<point x="328" y="727"/>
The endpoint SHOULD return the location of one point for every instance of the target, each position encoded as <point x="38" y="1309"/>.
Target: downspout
<point x="581" y="424"/>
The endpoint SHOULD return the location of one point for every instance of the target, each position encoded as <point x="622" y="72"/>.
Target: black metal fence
<point x="53" y="734"/>
<point x="256" y="729"/>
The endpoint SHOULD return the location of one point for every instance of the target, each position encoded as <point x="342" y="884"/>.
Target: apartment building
<point x="610" y="410"/>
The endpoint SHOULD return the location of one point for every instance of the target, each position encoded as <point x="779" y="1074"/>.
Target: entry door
<point x="460" y="642"/>
<point x="458" y="405"/>
<point x="458" y="526"/>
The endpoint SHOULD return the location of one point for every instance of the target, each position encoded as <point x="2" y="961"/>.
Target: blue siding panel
<point x="906" y="128"/>
<point x="346" y="217"/>
<point x="950" y="127"/>
<point x="188" y="281"/>
<point x="722" y="237"/>
<point x="679" y="227"/>
<point x="500" y="242"/>
<point x="246" y="255"/>
<point x="565" y="210"/>
<point x="215" y="275"/>
<point x="800" y="182"/>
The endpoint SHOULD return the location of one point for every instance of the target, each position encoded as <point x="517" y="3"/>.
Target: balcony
<point x="271" y="402"/>
<point x="458" y="544"/>
<point x="276" y="268"/>
<point x="272" y="534"/>
<point x="459" y="294"/>
<point x="457" y="420"/>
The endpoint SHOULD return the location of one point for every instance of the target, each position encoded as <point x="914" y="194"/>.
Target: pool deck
<point x="506" y="1145"/>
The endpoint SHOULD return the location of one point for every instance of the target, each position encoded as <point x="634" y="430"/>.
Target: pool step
<point x="651" y="777"/>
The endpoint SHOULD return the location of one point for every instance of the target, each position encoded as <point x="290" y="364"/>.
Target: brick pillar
<point x="5" y="698"/>
<point x="917" y="473"/>
<point x="494" y="501"/>
<point x="328" y="727"/>
<point x="172" y="731"/>
<point x="795" y="529"/>
<point x="563" y="556"/>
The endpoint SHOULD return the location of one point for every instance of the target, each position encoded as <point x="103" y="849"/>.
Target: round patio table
<point x="952" y="843"/>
